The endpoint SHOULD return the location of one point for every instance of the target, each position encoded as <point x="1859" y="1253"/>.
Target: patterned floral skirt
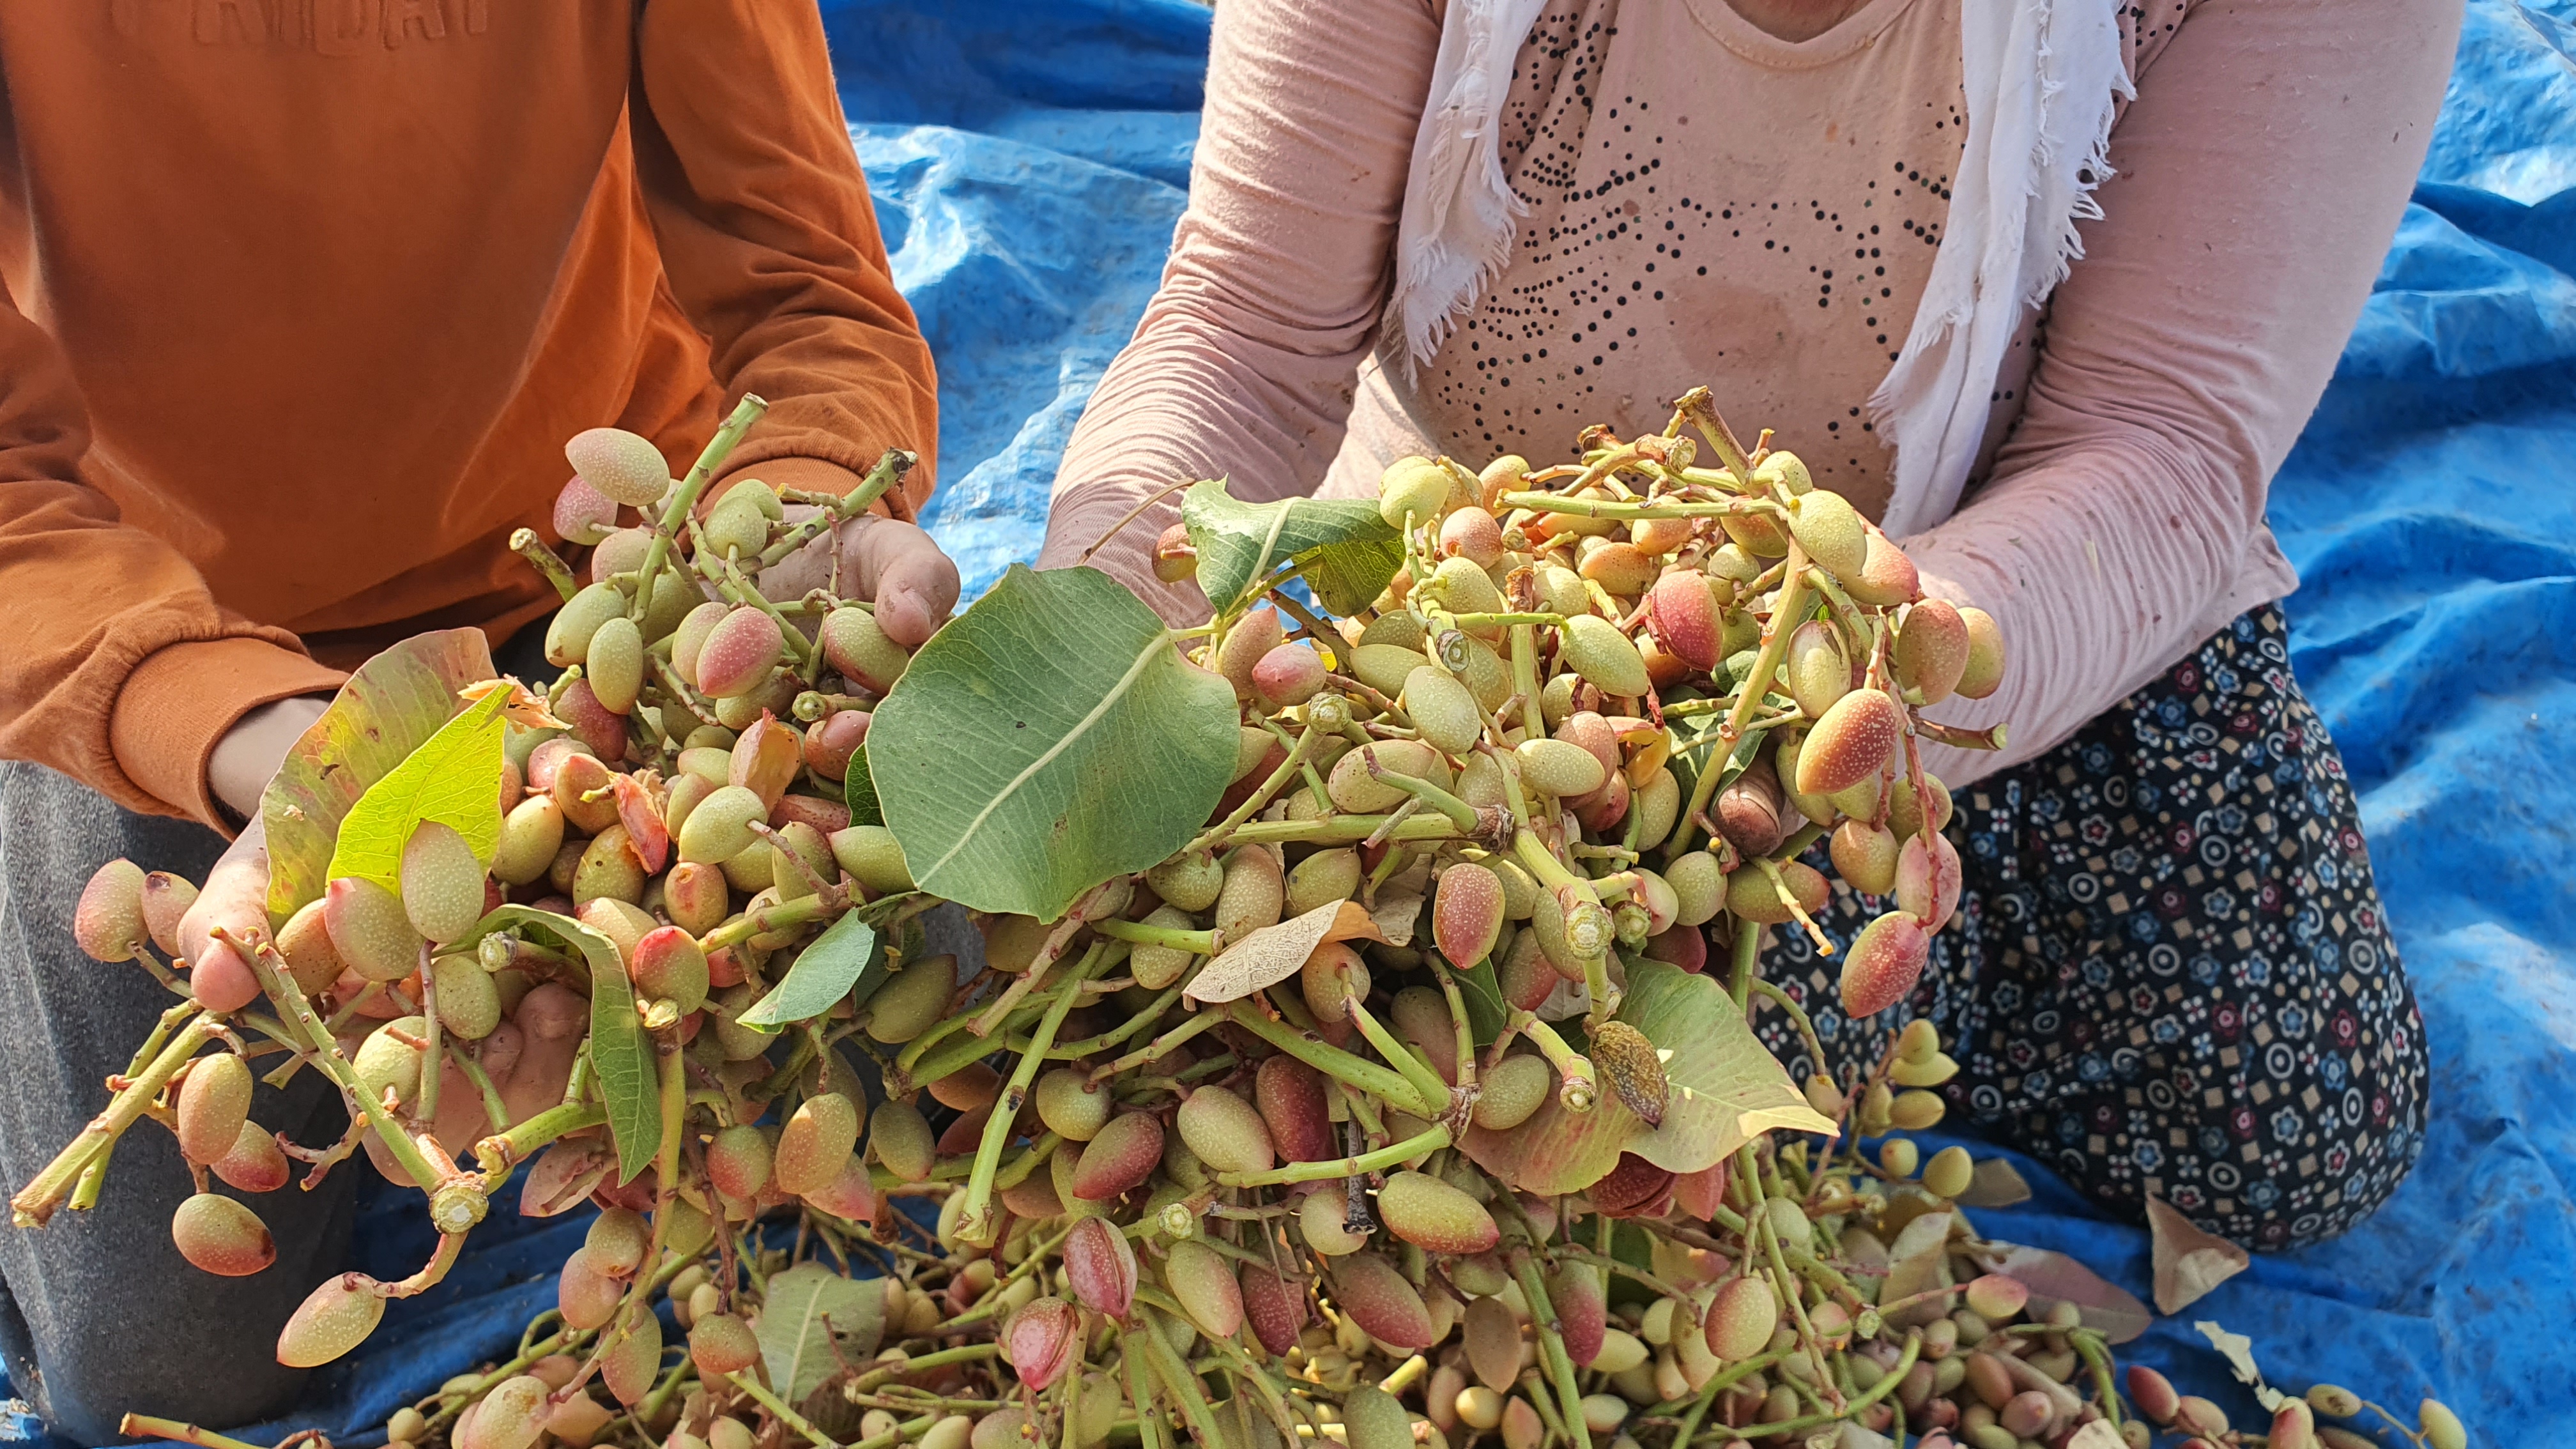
<point x="2170" y="973"/>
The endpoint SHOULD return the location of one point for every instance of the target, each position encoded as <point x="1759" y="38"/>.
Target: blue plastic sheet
<point x="1029" y="161"/>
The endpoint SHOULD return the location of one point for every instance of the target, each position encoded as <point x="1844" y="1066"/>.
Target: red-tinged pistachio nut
<point x="621" y="465"/>
<point x="442" y="882"/>
<point x="1288" y="674"/>
<point x="1039" y="1339"/>
<point x="739" y="1162"/>
<point x="1370" y="1291"/>
<point x="220" y="1236"/>
<point x="834" y="740"/>
<point x="1291" y="1100"/>
<point x="691" y="637"/>
<point x="816" y="1144"/>
<point x="1100" y="1267"/>
<point x="1850" y="743"/>
<point x="576" y="1421"/>
<point x="961" y="1136"/>
<point x="1928" y="880"/>
<point x="369" y="929"/>
<point x="1865" y="857"/>
<point x="1886" y="576"/>
<point x="1683" y="946"/>
<point x="1252" y="637"/>
<point x="1473" y="534"/>
<point x="1684" y="617"/>
<point x="214" y="1100"/>
<point x="765" y="758"/>
<point x="2197" y="1415"/>
<point x="1594" y="733"/>
<point x="1521" y="1427"/>
<point x="739" y="652"/>
<point x="668" y="965"/>
<point x="1750" y="894"/>
<point x="1582" y="1304"/>
<point x="1513" y="1092"/>
<point x="696" y="897"/>
<point x="585" y="791"/>
<point x="1225" y="1132"/>
<point x="1333" y="975"/>
<point x="1174" y="558"/>
<point x="1120" y="1158"/>
<point x="1616" y="565"/>
<point x="1752" y="811"/>
<point x="1741" y="1319"/>
<point x="108" y="923"/>
<point x="852" y="1195"/>
<point x="617" y="1241"/>
<point x="2154" y="1394"/>
<point x="1884" y="962"/>
<point x="2025" y="1414"/>
<point x="633" y="1362"/>
<point x="1931" y="652"/>
<point x="1633" y="1187"/>
<point x="593" y="722"/>
<point x="583" y="515"/>
<point x="1526" y="975"/>
<point x="1985" y="667"/>
<point x="1275" y="1307"/>
<point x="1466" y="913"/>
<point x="1205" y="1287"/>
<point x="255" y="1163"/>
<point x="1603" y="809"/>
<point x="166" y="899"/>
<point x="1423" y="1210"/>
<point x="970" y="1088"/>
<point x="1699" y="1194"/>
<point x="1992" y="1296"/>
<point x="721" y="1343"/>
<point x="335" y="1318"/>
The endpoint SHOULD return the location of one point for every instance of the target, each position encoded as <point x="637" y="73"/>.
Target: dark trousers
<point x="99" y="1315"/>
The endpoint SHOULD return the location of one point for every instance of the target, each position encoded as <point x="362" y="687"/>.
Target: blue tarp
<point x="1029" y="161"/>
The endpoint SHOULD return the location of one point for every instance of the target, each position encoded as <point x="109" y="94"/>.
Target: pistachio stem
<point x="1797" y="1013"/>
<point x="1551" y="1347"/>
<point x="1430" y="1094"/>
<point x="1604" y="508"/>
<point x="685" y="497"/>
<point x="788" y="1416"/>
<point x="1343" y="830"/>
<point x="147" y="1426"/>
<point x="1385" y="1157"/>
<point x="1771" y="868"/>
<point x="525" y="543"/>
<point x="890" y="468"/>
<point x="1355" y="1071"/>
<point x="1966" y="739"/>
<point x="1197" y="943"/>
<point x="1577" y="1089"/>
<point x="1158" y="1046"/>
<point x="1178" y="1381"/>
<point x="502" y="1151"/>
<point x="38" y="1199"/>
<point x="974" y="1221"/>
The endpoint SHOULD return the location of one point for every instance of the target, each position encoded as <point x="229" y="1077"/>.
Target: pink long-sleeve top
<point x="1707" y="203"/>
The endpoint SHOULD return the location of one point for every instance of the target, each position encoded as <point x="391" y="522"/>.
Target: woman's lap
<point x="2170" y="973"/>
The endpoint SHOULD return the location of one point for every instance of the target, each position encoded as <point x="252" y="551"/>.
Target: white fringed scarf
<point x="2041" y="78"/>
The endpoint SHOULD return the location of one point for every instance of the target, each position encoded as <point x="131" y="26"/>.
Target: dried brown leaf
<point x="1273" y="953"/>
<point x="1995" y="1184"/>
<point x="2238" y="1350"/>
<point x="2055" y="1278"/>
<point x="2189" y="1262"/>
<point x="563" y="1177"/>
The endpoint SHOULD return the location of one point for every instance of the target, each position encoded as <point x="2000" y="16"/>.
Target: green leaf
<point x="1484" y="1001"/>
<point x="1346" y="549"/>
<point x="454" y="778"/>
<point x="1046" y="740"/>
<point x="859" y="791"/>
<point x="621" y="1059"/>
<point x="390" y="707"/>
<point x="823" y="974"/>
<point x="796" y="1340"/>
<point x="1726" y="1091"/>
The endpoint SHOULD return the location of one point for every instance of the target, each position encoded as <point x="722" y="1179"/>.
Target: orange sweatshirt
<point x="304" y="297"/>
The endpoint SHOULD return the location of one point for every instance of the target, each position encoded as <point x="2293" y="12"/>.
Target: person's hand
<point x="893" y="564"/>
<point x="234" y="895"/>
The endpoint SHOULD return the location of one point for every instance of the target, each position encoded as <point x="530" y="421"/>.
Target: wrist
<point x="248" y="754"/>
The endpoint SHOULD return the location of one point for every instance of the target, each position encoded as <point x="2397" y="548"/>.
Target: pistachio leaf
<point x="1725" y="1090"/>
<point x="806" y="1308"/>
<point x="621" y="1059"/>
<point x="859" y="790"/>
<point x="1046" y="740"/>
<point x="391" y="706"/>
<point x="1266" y="957"/>
<point x="1486" y="1012"/>
<point x="2189" y="1262"/>
<point x="823" y="974"/>
<point x="454" y="778"/>
<point x="1347" y="551"/>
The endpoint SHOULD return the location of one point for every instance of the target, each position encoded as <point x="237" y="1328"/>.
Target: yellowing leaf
<point x="1273" y="953"/>
<point x="1726" y="1090"/>
<point x="2189" y="1262"/>
<point x="806" y="1308"/>
<point x="454" y="778"/>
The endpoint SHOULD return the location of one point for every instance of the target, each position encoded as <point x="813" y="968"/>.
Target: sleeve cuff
<point x="181" y="699"/>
